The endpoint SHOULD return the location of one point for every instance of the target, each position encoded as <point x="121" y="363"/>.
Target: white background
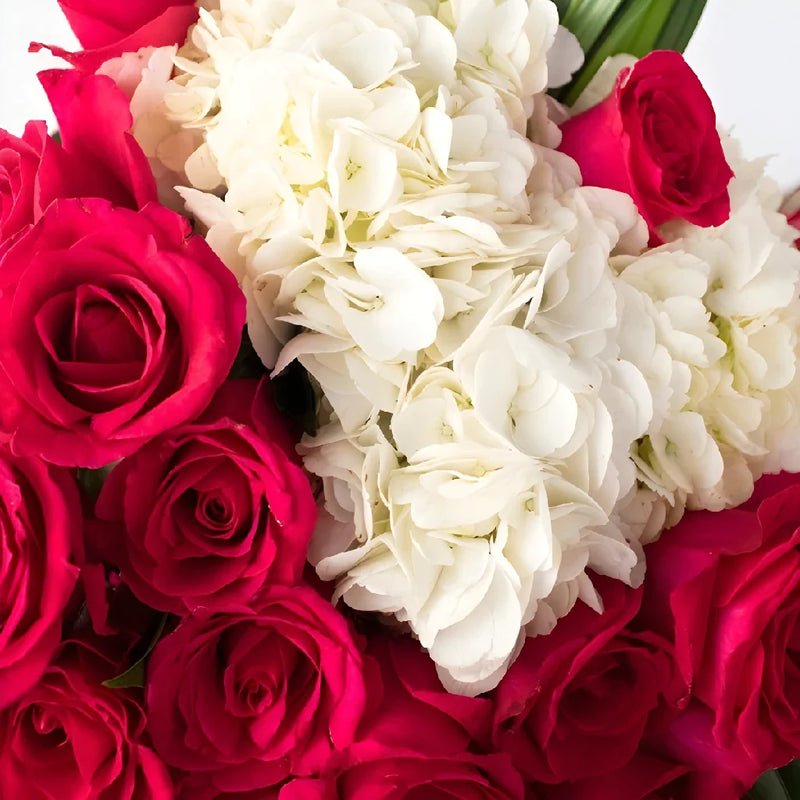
<point x="745" y="52"/>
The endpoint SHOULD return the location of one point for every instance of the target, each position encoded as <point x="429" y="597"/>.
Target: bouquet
<point x="399" y="400"/>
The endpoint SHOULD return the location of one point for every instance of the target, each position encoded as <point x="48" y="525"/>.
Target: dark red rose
<point x="415" y="711"/>
<point x="655" y="138"/>
<point x="108" y="29"/>
<point x="576" y="703"/>
<point x="213" y="509"/>
<point x="647" y="777"/>
<point x="725" y="587"/>
<point x="40" y="517"/>
<point x="251" y="697"/>
<point x="71" y="738"/>
<point x="375" y="773"/>
<point x="97" y="157"/>
<point x="115" y="326"/>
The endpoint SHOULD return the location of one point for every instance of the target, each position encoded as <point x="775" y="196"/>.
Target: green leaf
<point x="562" y="6"/>
<point x="769" y="787"/>
<point x="134" y="675"/>
<point x="635" y="29"/>
<point x="678" y="30"/>
<point x="587" y="19"/>
<point x="790" y="775"/>
<point x="93" y="479"/>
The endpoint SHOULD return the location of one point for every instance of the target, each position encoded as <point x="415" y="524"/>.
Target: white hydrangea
<point x="711" y="319"/>
<point x="511" y="392"/>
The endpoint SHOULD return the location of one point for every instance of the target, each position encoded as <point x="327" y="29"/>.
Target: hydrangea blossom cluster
<point x="714" y="329"/>
<point x="513" y="389"/>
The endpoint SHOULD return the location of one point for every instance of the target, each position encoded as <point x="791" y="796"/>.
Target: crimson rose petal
<point x="40" y="517"/>
<point x="655" y="138"/>
<point x="248" y="698"/>
<point x="169" y="311"/>
<point x="204" y="515"/>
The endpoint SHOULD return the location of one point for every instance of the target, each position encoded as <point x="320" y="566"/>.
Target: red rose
<point x="647" y="777"/>
<point x="248" y="698"/>
<point x="414" y="710"/>
<point x="97" y="156"/>
<point x="40" y="515"/>
<point x="213" y="509"/>
<point x="19" y="163"/>
<point x="108" y="29"/>
<point x="384" y="774"/>
<point x="71" y="738"/>
<point x="655" y="138"/>
<point x="114" y="327"/>
<point x="576" y="703"/>
<point x="725" y="587"/>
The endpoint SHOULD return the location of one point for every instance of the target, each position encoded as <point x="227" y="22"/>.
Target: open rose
<point x="384" y="774"/>
<point x="97" y="156"/>
<point x="725" y="587"/>
<point x="414" y="710"/>
<point x="108" y="29"/>
<point x="559" y="713"/>
<point x="655" y="138"/>
<point x="40" y="516"/>
<point x="248" y="698"/>
<point x="212" y="510"/>
<point x="71" y="738"/>
<point x="114" y="327"/>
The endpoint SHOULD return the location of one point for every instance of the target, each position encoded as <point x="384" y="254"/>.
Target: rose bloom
<point x="386" y="774"/>
<point x="647" y="777"/>
<point x="114" y="327"/>
<point x="97" y="157"/>
<point x="576" y="702"/>
<point x="72" y="738"/>
<point x="655" y="138"/>
<point x="40" y="516"/>
<point x="411" y="709"/>
<point x="725" y="587"/>
<point x="108" y="29"/>
<point x="213" y="509"/>
<point x="251" y="697"/>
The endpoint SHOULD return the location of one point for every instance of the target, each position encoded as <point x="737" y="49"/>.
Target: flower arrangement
<point x="382" y="420"/>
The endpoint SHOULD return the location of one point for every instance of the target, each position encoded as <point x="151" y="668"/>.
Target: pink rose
<point x="414" y="711"/>
<point x="108" y="29"/>
<point x="213" y="509"/>
<point x="655" y="138"/>
<point x="71" y="738"/>
<point x="40" y="516"/>
<point x="19" y="163"/>
<point x="244" y="700"/>
<point x="375" y="773"/>
<point x="115" y="326"/>
<point x="97" y="157"/>
<point x="725" y="587"/>
<point x="576" y="703"/>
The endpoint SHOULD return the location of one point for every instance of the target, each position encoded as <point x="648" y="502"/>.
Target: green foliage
<point x="608" y="27"/>
<point x="777" y="784"/>
<point x="92" y="480"/>
<point x="134" y="675"/>
<point x="587" y="19"/>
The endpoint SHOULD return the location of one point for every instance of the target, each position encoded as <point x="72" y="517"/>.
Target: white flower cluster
<point x="511" y="394"/>
<point x="713" y="319"/>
